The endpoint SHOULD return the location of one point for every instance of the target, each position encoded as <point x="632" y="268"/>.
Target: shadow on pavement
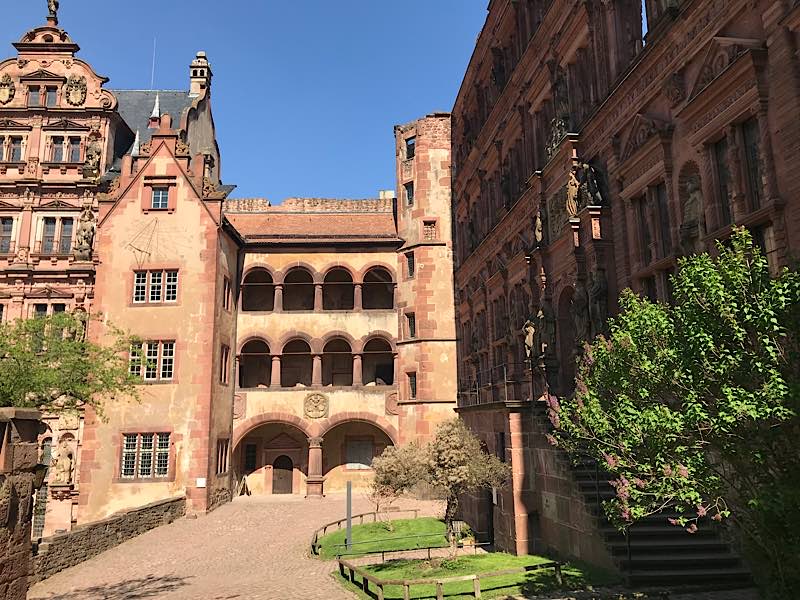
<point x="132" y="589"/>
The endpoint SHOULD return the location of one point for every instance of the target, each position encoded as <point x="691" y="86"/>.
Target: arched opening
<point x="348" y="450"/>
<point x="258" y="291"/>
<point x="337" y="363"/>
<point x="338" y="290"/>
<point x="566" y="341"/>
<point x="270" y="447"/>
<point x="282" y="475"/>
<point x="378" y="289"/>
<point x="298" y="290"/>
<point x="378" y="363"/>
<point x="296" y="364"/>
<point x="255" y="365"/>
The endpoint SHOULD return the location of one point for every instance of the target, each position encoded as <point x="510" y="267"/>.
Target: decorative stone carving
<point x="592" y="188"/>
<point x="75" y="90"/>
<point x="91" y="166"/>
<point x="182" y="148"/>
<point x="208" y="187"/>
<point x="538" y="228"/>
<point x="7" y="89"/>
<point x="239" y="406"/>
<point x="674" y="89"/>
<point x="642" y="129"/>
<point x="529" y="333"/>
<point x="693" y="227"/>
<point x="68" y="421"/>
<point x="580" y="313"/>
<point x="62" y="465"/>
<point x="392" y="407"/>
<point x="316" y="406"/>
<point x="545" y="335"/>
<point x="84" y="237"/>
<point x="598" y="301"/>
<point x="52" y="7"/>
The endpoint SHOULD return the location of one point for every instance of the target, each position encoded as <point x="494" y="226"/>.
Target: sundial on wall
<point x="158" y="242"/>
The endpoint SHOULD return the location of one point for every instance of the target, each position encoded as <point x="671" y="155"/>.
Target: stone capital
<point x="315" y="442"/>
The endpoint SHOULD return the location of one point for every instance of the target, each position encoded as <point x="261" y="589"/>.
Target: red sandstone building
<point x="587" y="158"/>
<point x="285" y="344"/>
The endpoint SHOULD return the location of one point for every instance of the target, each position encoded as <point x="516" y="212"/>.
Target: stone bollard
<point x="20" y="476"/>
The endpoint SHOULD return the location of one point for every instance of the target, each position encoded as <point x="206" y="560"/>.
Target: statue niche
<point x="598" y="302"/>
<point x="63" y="465"/>
<point x="84" y="237"/>
<point x="693" y="225"/>
<point x="580" y="313"/>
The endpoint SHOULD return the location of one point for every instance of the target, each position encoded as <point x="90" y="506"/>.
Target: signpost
<point x="348" y="540"/>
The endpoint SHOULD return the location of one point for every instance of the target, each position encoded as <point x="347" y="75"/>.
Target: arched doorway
<point x="282" y="474"/>
<point x="348" y="449"/>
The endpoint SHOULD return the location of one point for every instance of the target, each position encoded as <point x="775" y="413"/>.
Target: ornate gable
<point x="49" y="293"/>
<point x="642" y="130"/>
<point x="65" y="125"/>
<point x="11" y="124"/>
<point x="42" y="75"/>
<point x="722" y="52"/>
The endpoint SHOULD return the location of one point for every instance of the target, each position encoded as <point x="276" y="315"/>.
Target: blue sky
<point x="305" y="92"/>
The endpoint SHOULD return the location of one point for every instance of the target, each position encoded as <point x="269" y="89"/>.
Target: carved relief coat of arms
<point x="75" y="90"/>
<point x="7" y="89"/>
<point x="316" y="406"/>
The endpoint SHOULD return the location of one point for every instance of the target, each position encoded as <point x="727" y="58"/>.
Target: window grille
<point x="145" y="455"/>
<point x="160" y="198"/>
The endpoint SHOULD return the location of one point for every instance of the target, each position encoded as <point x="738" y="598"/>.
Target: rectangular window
<point x="227" y="294"/>
<point x="159" y="360"/>
<point x="649" y="288"/>
<point x="222" y="456"/>
<point x="160" y="198"/>
<point x="720" y="150"/>
<point x="151" y="361"/>
<point x="411" y="148"/>
<point x="49" y="235"/>
<point x="224" y="365"/>
<point x="140" y="287"/>
<point x="40" y="311"/>
<point x="156" y="281"/>
<point x="171" y="289"/>
<point x="663" y="220"/>
<point x="15" y="150"/>
<point x="429" y="232"/>
<point x="644" y="231"/>
<point x="6" y="229"/>
<point x="2" y="308"/>
<point x="359" y="454"/>
<point x="752" y="164"/>
<point x="145" y="455"/>
<point x="500" y="445"/>
<point x="33" y="96"/>
<point x="409" y="188"/>
<point x="52" y="96"/>
<point x="74" y="150"/>
<point x="65" y="239"/>
<point x="412" y="385"/>
<point x="167" y="360"/>
<point x="250" y="458"/>
<point x="411" y="319"/>
<point x="410" y="264"/>
<point x="58" y="150"/>
<point x="135" y="360"/>
<point x="59" y="308"/>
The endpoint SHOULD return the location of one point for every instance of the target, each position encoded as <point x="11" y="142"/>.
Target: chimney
<point x="155" y="117"/>
<point x="199" y="75"/>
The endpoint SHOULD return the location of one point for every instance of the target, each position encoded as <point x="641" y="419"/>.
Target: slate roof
<point x="136" y="106"/>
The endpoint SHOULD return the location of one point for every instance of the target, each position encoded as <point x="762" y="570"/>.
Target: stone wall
<point x="65" y="550"/>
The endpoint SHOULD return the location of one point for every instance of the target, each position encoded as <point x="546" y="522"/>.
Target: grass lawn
<point x="575" y="577"/>
<point x="376" y="537"/>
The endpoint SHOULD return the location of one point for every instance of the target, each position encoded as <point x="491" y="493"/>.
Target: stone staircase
<point x="655" y="552"/>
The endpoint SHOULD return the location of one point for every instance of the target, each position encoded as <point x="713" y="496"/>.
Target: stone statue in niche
<point x="580" y="312"/>
<point x="693" y="228"/>
<point x="538" y="228"/>
<point x="529" y="333"/>
<point x="91" y="166"/>
<point x="545" y="336"/>
<point x="84" y="236"/>
<point x="598" y="301"/>
<point x="592" y="186"/>
<point x="573" y="190"/>
<point x="63" y="466"/>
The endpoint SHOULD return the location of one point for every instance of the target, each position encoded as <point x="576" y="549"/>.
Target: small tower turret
<point x="199" y="74"/>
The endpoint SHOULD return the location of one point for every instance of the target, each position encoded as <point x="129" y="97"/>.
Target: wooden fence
<point x="338" y="524"/>
<point x="349" y="570"/>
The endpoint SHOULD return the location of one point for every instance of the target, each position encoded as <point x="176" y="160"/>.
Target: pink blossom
<point x="639" y="483"/>
<point x="551" y="439"/>
<point x="581" y="388"/>
<point x="554" y="419"/>
<point x="553" y="403"/>
<point x="701" y="511"/>
<point x="667" y="470"/>
<point x="692" y="528"/>
<point x="623" y="488"/>
<point x="673" y="521"/>
<point x="683" y="471"/>
<point x="611" y="461"/>
<point x="717" y="517"/>
<point x="626" y="514"/>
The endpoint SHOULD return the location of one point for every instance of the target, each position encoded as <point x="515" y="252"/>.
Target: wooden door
<point x="282" y="475"/>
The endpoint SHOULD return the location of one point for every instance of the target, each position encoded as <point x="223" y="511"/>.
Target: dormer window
<point x="160" y="198"/>
<point x="33" y="96"/>
<point x="51" y="96"/>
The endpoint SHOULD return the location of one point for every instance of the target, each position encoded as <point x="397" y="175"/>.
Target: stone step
<point x="684" y="577"/>
<point x="641" y="558"/>
<point x="689" y="545"/>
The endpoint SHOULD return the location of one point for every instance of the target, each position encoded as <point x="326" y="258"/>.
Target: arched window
<point x="258" y="291"/>
<point x="378" y="289"/>
<point x="337" y="363"/>
<point x="337" y="290"/>
<point x="378" y="363"/>
<point x="298" y="290"/>
<point x="255" y="365"/>
<point x="296" y="364"/>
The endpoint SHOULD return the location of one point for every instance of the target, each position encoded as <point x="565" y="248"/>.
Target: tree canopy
<point x="48" y="363"/>
<point x="694" y="406"/>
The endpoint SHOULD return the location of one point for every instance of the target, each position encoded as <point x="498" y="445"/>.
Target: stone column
<point x="317" y="297"/>
<point x="316" y="373"/>
<point x="396" y="368"/>
<point x="21" y="476"/>
<point x="357" y="302"/>
<point x="315" y="480"/>
<point x="765" y="152"/>
<point x="358" y="377"/>
<point x="275" y="375"/>
<point x="278" y="307"/>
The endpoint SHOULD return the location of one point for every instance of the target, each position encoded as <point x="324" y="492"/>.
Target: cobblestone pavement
<point x="254" y="548"/>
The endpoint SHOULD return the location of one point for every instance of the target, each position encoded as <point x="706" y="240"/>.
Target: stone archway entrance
<point x="282" y="470"/>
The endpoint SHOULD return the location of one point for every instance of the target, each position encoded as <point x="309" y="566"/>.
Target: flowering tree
<point x="48" y="363"/>
<point x="694" y="406"/>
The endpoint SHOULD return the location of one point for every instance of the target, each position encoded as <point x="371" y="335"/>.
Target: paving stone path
<point x="253" y="548"/>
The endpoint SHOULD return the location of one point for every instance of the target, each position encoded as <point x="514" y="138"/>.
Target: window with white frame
<point x="160" y="198"/>
<point x="145" y="455"/>
<point x="153" y="360"/>
<point x="155" y="287"/>
<point x="359" y="454"/>
<point x="222" y="456"/>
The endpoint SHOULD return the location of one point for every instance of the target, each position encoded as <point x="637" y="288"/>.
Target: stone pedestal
<point x="59" y="509"/>
<point x="20" y="476"/>
<point x="315" y="480"/>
